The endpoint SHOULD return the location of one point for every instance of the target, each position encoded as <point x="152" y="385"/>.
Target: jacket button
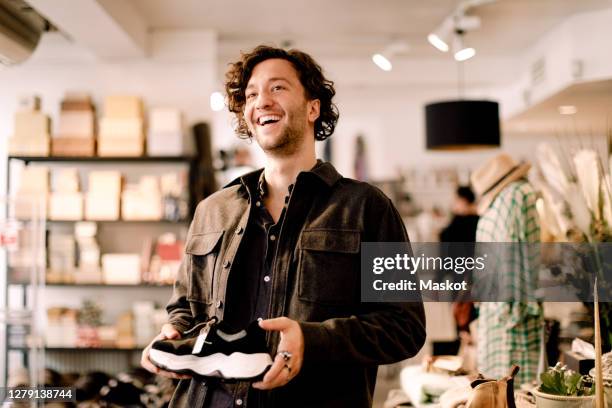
<point x="219" y="304"/>
<point x="239" y="230"/>
<point x="226" y="264"/>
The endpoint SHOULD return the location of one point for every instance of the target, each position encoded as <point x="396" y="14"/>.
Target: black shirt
<point x="250" y="283"/>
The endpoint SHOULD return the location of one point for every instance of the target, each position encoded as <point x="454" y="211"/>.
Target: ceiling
<point x="356" y="28"/>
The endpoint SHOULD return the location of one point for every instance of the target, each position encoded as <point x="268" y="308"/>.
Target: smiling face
<point x="276" y="111"/>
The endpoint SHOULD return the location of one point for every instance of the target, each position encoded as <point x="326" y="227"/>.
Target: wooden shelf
<point x="77" y="159"/>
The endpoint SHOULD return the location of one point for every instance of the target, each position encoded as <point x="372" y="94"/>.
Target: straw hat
<point x="492" y="177"/>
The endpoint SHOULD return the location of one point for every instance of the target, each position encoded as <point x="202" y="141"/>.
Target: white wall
<point x="180" y="73"/>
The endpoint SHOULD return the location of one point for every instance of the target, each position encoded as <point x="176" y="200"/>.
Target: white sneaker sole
<point x="235" y="366"/>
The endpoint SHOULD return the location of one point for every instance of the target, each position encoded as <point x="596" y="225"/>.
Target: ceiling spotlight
<point x="382" y="62"/>
<point x="441" y="36"/>
<point x="436" y="41"/>
<point x="568" y="110"/>
<point x="454" y="26"/>
<point x="217" y="101"/>
<point x="464" y="54"/>
<point x="383" y="59"/>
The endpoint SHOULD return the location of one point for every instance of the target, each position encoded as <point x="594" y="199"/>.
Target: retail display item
<point x="165" y="136"/>
<point x="211" y="350"/>
<point x="122" y="127"/>
<point x="121" y="269"/>
<point x="31" y="135"/>
<point x="76" y="130"/>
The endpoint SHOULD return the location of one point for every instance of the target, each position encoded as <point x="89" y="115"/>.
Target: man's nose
<point x="263" y="100"/>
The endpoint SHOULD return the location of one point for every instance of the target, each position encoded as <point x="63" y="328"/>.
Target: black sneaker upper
<point x="220" y="339"/>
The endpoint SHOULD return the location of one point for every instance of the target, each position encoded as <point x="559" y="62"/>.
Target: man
<point x="283" y="244"/>
<point x="509" y="332"/>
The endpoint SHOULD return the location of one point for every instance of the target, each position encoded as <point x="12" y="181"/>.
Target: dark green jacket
<point x="316" y="281"/>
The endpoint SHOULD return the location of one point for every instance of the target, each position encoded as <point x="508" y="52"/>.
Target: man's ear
<point x="314" y="110"/>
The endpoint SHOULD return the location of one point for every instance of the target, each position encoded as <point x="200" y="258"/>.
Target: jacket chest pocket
<point x="328" y="267"/>
<point x="203" y="250"/>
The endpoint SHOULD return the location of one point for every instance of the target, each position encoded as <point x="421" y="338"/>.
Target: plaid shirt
<point x="511" y="332"/>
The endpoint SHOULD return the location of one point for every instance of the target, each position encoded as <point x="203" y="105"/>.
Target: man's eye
<point x="250" y="96"/>
<point x="277" y="88"/>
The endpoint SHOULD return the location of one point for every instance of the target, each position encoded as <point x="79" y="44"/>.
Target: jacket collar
<point x="323" y="171"/>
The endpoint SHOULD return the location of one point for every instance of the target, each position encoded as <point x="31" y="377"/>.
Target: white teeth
<point x="266" y="118"/>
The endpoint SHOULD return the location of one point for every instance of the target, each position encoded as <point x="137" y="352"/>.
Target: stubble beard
<point x="289" y="141"/>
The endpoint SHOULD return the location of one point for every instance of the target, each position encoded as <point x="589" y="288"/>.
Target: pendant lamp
<point x="462" y="124"/>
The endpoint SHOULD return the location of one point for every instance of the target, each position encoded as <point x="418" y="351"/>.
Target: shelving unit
<point x="119" y="234"/>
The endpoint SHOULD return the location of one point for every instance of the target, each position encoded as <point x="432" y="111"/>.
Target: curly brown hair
<point x="309" y="72"/>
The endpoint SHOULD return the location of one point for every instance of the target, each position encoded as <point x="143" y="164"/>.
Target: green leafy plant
<point x="559" y="380"/>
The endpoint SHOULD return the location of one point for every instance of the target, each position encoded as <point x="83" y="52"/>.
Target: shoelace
<point x="204" y="329"/>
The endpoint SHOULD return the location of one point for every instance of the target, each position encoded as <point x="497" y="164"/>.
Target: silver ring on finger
<point x="286" y="355"/>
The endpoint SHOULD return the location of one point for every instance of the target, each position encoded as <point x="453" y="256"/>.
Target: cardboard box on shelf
<point x="32" y="124"/>
<point x="121" y="269"/>
<point x="166" y="136"/>
<point x="73" y="105"/>
<point x="29" y="146"/>
<point x="102" y="206"/>
<point x="123" y="106"/>
<point x="139" y="206"/>
<point x="34" y="179"/>
<point x="76" y="124"/>
<point x="77" y="96"/>
<point x="66" y="206"/>
<point x="125" y="128"/>
<point x="73" y="146"/>
<point x="105" y="181"/>
<point x="67" y="180"/>
<point x="120" y="147"/>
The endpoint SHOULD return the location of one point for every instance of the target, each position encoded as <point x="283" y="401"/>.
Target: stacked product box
<point x="122" y="127"/>
<point x="66" y="202"/>
<point x="32" y="192"/>
<point x="165" y="136"/>
<point x="32" y="130"/>
<point x="142" y="201"/>
<point x="102" y="199"/>
<point x="76" y="132"/>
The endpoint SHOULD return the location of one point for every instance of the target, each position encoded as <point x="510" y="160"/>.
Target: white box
<point x="66" y="206"/>
<point x="137" y="206"/>
<point x="67" y="180"/>
<point x="106" y="182"/>
<point x="167" y="144"/>
<point x="121" y="268"/>
<point x="101" y="206"/>
<point x="86" y="231"/>
<point x="164" y="120"/>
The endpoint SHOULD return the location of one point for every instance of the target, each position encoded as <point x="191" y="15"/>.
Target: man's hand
<point x="291" y="344"/>
<point x="167" y="332"/>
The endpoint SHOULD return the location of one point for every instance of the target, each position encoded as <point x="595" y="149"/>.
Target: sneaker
<point x="210" y="351"/>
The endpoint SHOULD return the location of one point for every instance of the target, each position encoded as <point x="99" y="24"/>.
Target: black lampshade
<point x="462" y="124"/>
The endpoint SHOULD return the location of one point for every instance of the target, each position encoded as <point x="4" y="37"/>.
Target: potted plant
<point x="564" y="388"/>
